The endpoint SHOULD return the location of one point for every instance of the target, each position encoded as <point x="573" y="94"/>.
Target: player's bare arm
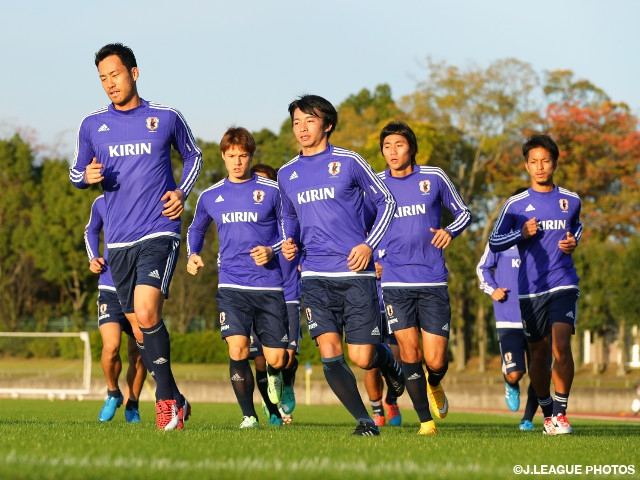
<point x="93" y="172"/>
<point x="97" y="265"/>
<point x="530" y="228"/>
<point x="174" y="204"/>
<point x="441" y="238"/>
<point x="359" y="257"/>
<point x="569" y="244"/>
<point x="194" y="264"/>
<point x="261" y="255"/>
<point x="289" y="249"/>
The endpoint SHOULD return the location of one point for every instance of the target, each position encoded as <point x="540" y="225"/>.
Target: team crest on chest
<point x="334" y="168"/>
<point x="258" y="196"/>
<point x="564" y="204"/>
<point x="425" y="186"/>
<point x="152" y="123"/>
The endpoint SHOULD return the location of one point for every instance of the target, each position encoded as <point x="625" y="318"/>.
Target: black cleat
<point x="365" y="429"/>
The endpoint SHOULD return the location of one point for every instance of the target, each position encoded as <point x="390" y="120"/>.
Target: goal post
<point x="86" y="370"/>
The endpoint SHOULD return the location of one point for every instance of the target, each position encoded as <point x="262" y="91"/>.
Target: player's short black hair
<point x="402" y="129"/>
<point x="268" y="170"/>
<point x="541" y="141"/>
<point x="123" y="52"/>
<point x="318" y="106"/>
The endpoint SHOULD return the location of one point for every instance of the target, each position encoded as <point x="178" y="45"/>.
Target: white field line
<point x="246" y="464"/>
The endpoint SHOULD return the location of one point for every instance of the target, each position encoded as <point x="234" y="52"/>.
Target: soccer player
<point x="322" y="191"/>
<point x="246" y="210"/>
<point x="498" y="275"/>
<point x="414" y="274"/>
<point x="111" y="323"/>
<point x="373" y="382"/>
<point x="126" y="147"/>
<point x="291" y="284"/>
<point x="544" y="223"/>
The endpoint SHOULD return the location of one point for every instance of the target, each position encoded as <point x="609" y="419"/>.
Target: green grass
<point x="63" y="440"/>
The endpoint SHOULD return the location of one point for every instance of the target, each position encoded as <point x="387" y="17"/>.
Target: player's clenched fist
<point x="530" y="228"/>
<point x="194" y="264"/>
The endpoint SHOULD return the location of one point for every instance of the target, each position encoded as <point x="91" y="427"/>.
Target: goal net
<point x="11" y="386"/>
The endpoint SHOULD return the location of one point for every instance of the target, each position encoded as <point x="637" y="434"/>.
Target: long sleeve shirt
<point x="324" y="212"/>
<point x="135" y="148"/>
<point x="246" y="214"/>
<point x="406" y="253"/>
<point x="544" y="267"/>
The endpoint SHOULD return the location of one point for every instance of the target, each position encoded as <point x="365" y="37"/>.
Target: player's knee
<point x="362" y="361"/>
<point x="111" y="350"/>
<point x="514" y="377"/>
<point x="437" y="365"/>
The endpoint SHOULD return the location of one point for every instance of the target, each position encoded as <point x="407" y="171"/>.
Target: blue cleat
<point x="132" y="415"/>
<point x="288" y="400"/>
<point x="275" y="420"/>
<point x="109" y="408"/>
<point x="526" y="426"/>
<point x="512" y="396"/>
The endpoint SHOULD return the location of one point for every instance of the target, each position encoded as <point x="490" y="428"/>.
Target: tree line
<point x="470" y="121"/>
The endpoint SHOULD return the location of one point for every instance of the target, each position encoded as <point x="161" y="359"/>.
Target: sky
<point x="234" y="62"/>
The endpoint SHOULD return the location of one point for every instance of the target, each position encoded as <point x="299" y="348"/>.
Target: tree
<point x="599" y="151"/>
<point x="57" y="237"/>
<point x="360" y="119"/>
<point x="478" y="115"/>
<point x="19" y="185"/>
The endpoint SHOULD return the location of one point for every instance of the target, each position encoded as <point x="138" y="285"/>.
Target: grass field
<point x="40" y="439"/>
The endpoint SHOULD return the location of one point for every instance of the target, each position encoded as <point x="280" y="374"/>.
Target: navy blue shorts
<point x="261" y="311"/>
<point x="150" y="262"/>
<point x="110" y="311"/>
<point x="337" y="305"/>
<point x="541" y="312"/>
<point x="426" y="307"/>
<point x="514" y="350"/>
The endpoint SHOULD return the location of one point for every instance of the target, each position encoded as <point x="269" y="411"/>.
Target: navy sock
<point x="114" y="393"/>
<point x="261" y="381"/>
<point x="243" y="384"/>
<point x="417" y="389"/>
<point x="144" y="356"/>
<point x="343" y="383"/>
<point x="560" y="401"/>
<point x="532" y="404"/>
<point x="434" y="377"/>
<point x="376" y="406"/>
<point x="158" y="347"/>
<point x="547" y="406"/>
<point x="131" y="404"/>
<point x="289" y="374"/>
